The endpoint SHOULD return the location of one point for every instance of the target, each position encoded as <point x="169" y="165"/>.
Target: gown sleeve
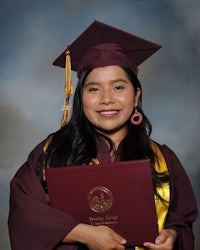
<point x="33" y="223"/>
<point x="183" y="207"/>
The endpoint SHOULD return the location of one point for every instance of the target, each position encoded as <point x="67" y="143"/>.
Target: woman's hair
<point x="75" y="143"/>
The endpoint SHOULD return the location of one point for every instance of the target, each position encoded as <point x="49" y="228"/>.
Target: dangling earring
<point x="137" y="117"/>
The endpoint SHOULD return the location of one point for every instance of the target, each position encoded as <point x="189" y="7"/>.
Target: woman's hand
<point x="96" y="237"/>
<point x="165" y="240"/>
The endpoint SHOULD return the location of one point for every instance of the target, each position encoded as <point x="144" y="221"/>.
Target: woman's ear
<point x="137" y="96"/>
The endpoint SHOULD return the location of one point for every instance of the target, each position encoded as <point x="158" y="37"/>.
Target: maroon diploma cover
<point x="118" y="195"/>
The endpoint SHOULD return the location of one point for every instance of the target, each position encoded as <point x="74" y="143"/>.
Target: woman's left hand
<point x="165" y="240"/>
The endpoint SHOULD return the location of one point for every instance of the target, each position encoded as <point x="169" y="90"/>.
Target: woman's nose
<point x="107" y="98"/>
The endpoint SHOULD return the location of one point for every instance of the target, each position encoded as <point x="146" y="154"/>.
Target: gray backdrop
<point x="34" y="33"/>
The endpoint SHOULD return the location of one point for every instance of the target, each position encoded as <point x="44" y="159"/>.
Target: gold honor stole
<point x="164" y="191"/>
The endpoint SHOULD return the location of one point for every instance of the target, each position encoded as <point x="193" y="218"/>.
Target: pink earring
<point x="137" y="117"/>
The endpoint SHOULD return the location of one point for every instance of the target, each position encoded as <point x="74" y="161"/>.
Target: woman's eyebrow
<point x="112" y="81"/>
<point x="119" y="80"/>
<point x="91" y="83"/>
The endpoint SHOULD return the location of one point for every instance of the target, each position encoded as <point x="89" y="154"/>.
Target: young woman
<point x="107" y="125"/>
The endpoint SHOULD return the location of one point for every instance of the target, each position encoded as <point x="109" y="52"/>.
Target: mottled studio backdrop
<point x="33" y="33"/>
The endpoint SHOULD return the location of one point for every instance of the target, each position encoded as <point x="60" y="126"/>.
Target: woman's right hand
<point x="96" y="237"/>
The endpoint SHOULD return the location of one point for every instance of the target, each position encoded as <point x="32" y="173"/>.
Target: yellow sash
<point x="164" y="191"/>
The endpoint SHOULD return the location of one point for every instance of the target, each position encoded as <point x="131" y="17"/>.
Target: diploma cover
<point x="118" y="195"/>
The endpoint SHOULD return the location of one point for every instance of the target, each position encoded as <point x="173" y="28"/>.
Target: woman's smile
<point x="109" y="113"/>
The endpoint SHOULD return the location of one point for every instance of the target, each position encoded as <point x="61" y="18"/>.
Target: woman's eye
<point x="93" y="89"/>
<point x="119" y="87"/>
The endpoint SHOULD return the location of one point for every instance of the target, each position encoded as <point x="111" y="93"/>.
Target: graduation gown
<point x="35" y="225"/>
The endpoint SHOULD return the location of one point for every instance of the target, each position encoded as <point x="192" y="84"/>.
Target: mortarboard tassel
<point x="68" y="88"/>
<point x="68" y="92"/>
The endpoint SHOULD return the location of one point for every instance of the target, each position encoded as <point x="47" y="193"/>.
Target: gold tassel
<point x="68" y="88"/>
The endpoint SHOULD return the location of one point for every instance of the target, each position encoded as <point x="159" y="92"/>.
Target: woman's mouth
<point x="108" y="113"/>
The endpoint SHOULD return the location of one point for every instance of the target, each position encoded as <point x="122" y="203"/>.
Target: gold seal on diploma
<point x="100" y="199"/>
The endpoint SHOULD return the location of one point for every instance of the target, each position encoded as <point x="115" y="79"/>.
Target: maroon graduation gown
<point x="35" y="225"/>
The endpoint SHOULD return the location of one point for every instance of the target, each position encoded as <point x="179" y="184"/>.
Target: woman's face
<point x="109" y="99"/>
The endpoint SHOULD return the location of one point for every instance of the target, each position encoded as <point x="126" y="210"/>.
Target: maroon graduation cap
<point x="103" y="45"/>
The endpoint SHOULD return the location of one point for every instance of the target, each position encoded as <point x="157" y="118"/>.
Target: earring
<point x="137" y="117"/>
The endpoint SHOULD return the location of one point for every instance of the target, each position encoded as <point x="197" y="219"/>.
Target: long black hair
<point x="75" y="143"/>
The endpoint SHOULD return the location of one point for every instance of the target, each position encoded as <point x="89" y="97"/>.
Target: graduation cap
<point x="102" y="45"/>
